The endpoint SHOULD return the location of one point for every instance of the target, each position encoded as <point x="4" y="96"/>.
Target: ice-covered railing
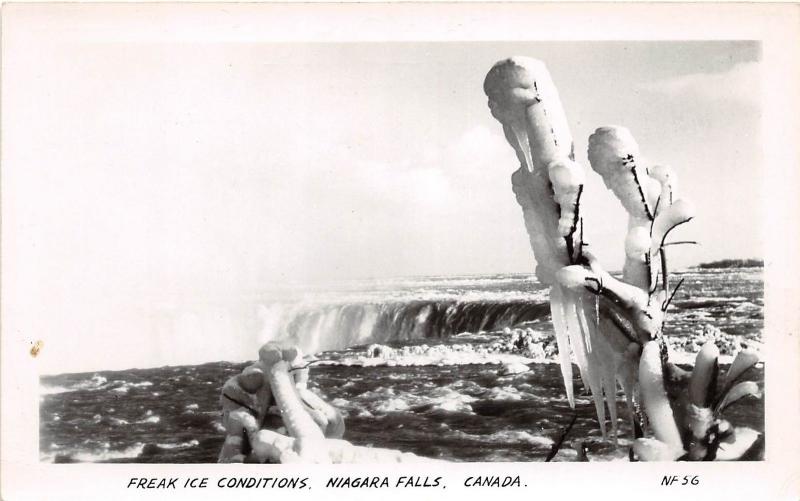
<point x="611" y="327"/>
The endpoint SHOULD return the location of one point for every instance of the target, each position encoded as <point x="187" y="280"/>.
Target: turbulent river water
<point x="414" y="364"/>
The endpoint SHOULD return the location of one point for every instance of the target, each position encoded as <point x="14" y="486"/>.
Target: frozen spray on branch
<point x="613" y="328"/>
<point x="548" y="185"/>
<point x="601" y="322"/>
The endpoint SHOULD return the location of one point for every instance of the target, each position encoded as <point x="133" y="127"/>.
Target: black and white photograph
<point x="264" y="250"/>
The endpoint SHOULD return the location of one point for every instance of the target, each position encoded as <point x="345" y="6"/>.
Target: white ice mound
<point x="567" y="178"/>
<point x="669" y="183"/>
<point x="523" y="98"/>
<point x="608" y="147"/>
<point x="513" y="368"/>
<point x="614" y="154"/>
<point x="511" y="85"/>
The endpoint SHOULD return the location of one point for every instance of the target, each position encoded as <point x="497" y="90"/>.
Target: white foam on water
<point x="150" y="419"/>
<point x="508" y="437"/>
<point x="384" y="400"/>
<point x="424" y="355"/>
<point x="105" y="454"/>
<point x="391" y="405"/>
<point x="449" y="399"/>
<point x="183" y="445"/>
<point x="53" y="390"/>
<point x="91" y="456"/>
<point x="504" y="393"/>
<point x="96" y="382"/>
<point x="715" y="299"/>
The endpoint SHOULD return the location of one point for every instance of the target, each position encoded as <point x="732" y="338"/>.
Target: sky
<point x="134" y="173"/>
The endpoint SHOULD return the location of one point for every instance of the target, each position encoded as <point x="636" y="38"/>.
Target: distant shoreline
<point x="731" y="263"/>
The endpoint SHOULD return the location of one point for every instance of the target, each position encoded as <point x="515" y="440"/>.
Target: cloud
<point x="741" y="84"/>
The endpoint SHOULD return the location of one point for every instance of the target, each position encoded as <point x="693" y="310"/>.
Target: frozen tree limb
<point x="612" y="328"/>
<point x="314" y="427"/>
<point x="549" y="186"/>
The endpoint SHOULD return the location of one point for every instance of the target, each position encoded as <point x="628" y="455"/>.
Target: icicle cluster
<point x="548" y="185"/>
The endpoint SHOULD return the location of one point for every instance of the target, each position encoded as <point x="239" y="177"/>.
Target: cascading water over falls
<point x="338" y="326"/>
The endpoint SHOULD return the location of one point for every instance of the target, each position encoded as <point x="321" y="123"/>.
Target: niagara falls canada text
<point x="383" y="482"/>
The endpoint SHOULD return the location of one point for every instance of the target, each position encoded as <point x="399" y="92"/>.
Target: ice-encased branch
<point x="549" y="183"/>
<point x="649" y="196"/>
<point x="548" y="186"/>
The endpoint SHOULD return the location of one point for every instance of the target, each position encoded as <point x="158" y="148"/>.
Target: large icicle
<point x="602" y="356"/>
<point x="586" y="362"/>
<point x="562" y="340"/>
<point x="548" y="184"/>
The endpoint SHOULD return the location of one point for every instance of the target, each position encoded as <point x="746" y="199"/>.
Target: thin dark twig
<point x="674" y="291"/>
<point x="681" y="242"/>
<point x="241" y="404"/>
<point x="570" y="248"/>
<point x="557" y="446"/>
<point x="598" y="281"/>
<point x="309" y="364"/>
<point x="665" y="278"/>
<point x="654" y="285"/>
<point x="629" y="160"/>
<point x="661" y="243"/>
<point x="576" y="209"/>
<point x="655" y="209"/>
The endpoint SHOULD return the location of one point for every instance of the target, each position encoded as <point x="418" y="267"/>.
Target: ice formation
<point x="612" y="328"/>
<point x="313" y="427"/>
<point x="548" y="185"/>
<point x="598" y="320"/>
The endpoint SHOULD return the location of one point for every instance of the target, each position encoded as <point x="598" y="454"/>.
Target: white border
<point x="775" y="25"/>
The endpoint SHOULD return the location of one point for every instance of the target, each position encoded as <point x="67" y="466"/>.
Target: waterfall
<point x="318" y="328"/>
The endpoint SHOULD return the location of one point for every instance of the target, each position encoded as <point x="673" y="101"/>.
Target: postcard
<point x="399" y="249"/>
